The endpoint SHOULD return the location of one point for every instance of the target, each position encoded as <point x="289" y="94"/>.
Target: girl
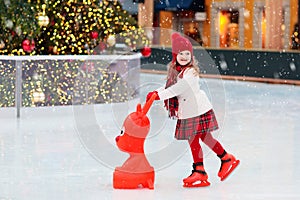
<point x="185" y="100"/>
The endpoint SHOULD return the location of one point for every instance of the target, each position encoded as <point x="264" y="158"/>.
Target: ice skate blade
<point x="234" y="165"/>
<point x="202" y="184"/>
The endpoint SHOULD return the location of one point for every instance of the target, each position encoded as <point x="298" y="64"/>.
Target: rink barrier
<point x="280" y="67"/>
<point x="236" y="78"/>
<point x="13" y="69"/>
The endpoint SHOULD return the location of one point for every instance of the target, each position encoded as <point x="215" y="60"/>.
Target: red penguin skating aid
<point x="136" y="172"/>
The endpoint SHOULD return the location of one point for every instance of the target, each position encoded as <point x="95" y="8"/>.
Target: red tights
<point x="208" y="139"/>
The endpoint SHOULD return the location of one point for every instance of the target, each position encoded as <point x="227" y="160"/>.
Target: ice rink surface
<point x="70" y="153"/>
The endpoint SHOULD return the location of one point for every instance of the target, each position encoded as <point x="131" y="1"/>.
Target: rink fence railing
<point x="239" y="64"/>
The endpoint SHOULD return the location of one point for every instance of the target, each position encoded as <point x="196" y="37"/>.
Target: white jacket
<point x="192" y="100"/>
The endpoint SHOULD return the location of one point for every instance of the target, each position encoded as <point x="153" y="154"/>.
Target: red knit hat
<point x="180" y="43"/>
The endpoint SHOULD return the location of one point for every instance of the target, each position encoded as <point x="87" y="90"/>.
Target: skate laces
<point x="198" y="167"/>
<point x="227" y="158"/>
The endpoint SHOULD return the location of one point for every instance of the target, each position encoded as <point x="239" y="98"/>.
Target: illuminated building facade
<point x="257" y="24"/>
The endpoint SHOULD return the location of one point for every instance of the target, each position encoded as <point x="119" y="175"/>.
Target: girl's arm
<point x="178" y="88"/>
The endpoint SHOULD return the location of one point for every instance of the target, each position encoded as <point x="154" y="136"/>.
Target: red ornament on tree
<point x="146" y="51"/>
<point x="26" y="45"/>
<point x="94" y="34"/>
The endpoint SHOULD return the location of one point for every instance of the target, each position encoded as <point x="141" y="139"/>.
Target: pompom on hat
<point x="180" y="43"/>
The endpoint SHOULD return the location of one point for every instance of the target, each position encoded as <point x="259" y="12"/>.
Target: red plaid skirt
<point x="185" y="128"/>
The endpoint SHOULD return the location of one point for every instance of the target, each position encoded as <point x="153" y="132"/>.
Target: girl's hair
<point x="172" y="68"/>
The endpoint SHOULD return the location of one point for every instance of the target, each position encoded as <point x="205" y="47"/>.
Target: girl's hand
<point x="149" y="95"/>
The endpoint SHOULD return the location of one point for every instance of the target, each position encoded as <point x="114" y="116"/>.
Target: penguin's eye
<point x="122" y="131"/>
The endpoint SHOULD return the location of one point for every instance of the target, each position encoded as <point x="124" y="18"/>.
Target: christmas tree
<point x="65" y="27"/>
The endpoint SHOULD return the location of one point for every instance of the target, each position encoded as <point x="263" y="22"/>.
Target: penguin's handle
<point x="149" y="103"/>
